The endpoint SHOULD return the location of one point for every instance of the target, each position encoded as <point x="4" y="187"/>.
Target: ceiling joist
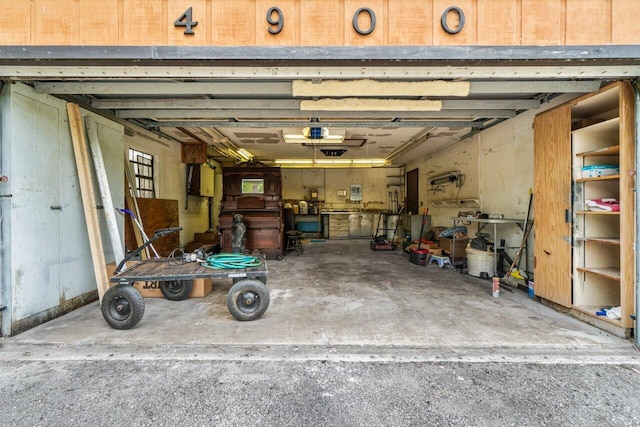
<point x="453" y="124"/>
<point x="285" y="104"/>
<point x="275" y="88"/>
<point x="160" y="114"/>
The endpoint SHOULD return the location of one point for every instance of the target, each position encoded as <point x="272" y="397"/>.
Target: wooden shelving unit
<point x="585" y="259"/>
<point x="602" y="240"/>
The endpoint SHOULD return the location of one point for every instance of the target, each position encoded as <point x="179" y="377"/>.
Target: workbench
<point x="496" y="224"/>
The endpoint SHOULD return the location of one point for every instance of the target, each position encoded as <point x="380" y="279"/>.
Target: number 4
<point x="186" y="20"/>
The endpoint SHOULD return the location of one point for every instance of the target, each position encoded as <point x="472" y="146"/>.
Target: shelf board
<point x="603" y="240"/>
<point x="592" y="309"/>
<point x="607" y="272"/>
<point x="456" y="202"/>
<point x="596" y="213"/>
<point x="613" y="150"/>
<point x="599" y="178"/>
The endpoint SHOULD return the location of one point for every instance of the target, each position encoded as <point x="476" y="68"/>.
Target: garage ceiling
<point x="386" y="110"/>
<point x="254" y="115"/>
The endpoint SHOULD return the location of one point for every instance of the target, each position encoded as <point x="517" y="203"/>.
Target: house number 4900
<point x="275" y="20"/>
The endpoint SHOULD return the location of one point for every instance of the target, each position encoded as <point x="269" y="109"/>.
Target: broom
<point x="513" y="277"/>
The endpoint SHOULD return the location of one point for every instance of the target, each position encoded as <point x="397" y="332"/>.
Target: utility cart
<point x="248" y="298"/>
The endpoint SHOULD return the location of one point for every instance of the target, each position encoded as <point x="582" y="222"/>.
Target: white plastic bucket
<point x="392" y="222"/>
<point x="479" y="262"/>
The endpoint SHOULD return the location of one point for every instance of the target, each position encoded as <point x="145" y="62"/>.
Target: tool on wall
<point x="190" y="168"/>
<point x="424" y="220"/>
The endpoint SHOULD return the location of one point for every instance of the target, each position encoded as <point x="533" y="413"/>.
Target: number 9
<point x="279" y="22"/>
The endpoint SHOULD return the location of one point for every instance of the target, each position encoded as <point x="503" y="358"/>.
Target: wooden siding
<point x="319" y="22"/>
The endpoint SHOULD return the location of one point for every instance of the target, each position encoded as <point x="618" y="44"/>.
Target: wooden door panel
<point x="552" y="192"/>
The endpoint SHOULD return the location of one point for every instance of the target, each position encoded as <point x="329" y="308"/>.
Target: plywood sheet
<point x="16" y="22"/>
<point x="467" y="36"/>
<point x="543" y="22"/>
<point x="627" y="203"/>
<point x="142" y="25"/>
<point x="588" y="22"/>
<point x="499" y="22"/>
<point x="411" y="24"/>
<point x="320" y="23"/>
<point x="234" y="23"/>
<point x="53" y="24"/>
<point x="552" y="197"/>
<point x="626" y="25"/>
<point x="97" y="22"/>
<point x="156" y="214"/>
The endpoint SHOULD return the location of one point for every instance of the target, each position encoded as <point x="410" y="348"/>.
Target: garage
<point x="462" y="121"/>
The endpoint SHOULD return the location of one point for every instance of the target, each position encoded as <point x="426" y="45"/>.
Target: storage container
<point x="419" y="256"/>
<point x="479" y="262"/>
<point x="594" y="171"/>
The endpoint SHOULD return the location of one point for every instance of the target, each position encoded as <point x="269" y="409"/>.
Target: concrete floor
<point x="340" y="299"/>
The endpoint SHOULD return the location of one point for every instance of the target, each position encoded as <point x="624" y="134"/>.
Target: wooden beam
<point x="105" y="191"/>
<point x="88" y="197"/>
<point x="295" y="114"/>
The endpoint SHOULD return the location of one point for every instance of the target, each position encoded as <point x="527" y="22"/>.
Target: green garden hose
<point x="231" y="261"/>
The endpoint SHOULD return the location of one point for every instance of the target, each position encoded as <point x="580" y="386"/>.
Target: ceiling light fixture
<point x="246" y="155"/>
<point x="330" y="163"/>
<point x="312" y="135"/>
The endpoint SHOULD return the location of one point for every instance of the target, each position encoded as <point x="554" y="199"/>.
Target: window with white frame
<point x="143" y="170"/>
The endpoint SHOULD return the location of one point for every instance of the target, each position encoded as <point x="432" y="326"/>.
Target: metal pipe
<point x="636" y="86"/>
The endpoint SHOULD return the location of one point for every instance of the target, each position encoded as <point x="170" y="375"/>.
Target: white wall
<point x="498" y="168"/>
<point x="170" y="181"/>
<point x="375" y="193"/>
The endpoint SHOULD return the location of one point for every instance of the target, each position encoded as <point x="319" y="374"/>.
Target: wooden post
<point x="105" y="192"/>
<point x="88" y="197"/>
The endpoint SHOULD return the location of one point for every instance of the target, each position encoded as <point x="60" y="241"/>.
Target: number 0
<point x="186" y="20"/>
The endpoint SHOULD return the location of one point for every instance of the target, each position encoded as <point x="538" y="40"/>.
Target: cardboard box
<point x="437" y="231"/>
<point x="151" y="289"/>
<point x="446" y="244"/>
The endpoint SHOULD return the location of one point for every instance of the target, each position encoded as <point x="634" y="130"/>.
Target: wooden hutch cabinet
<point x="256" y="193"/>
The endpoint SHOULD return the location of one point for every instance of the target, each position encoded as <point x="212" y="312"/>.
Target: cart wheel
<point x="176" y="290"/>
<point x="262" y="279"/>
<point x="122" y="307"/>
<point x="248" y="299"/>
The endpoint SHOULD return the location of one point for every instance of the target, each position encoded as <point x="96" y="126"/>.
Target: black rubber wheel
<point x="122" y="307"/>
<point x="176" y="290"/>
<point x="248" y="299"/>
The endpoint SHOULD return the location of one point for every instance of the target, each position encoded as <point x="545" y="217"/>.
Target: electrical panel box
<point x="356" y="193"/>
<point x="201" y="181"/>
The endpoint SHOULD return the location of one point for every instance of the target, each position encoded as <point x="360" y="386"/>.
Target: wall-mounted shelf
<point x="456" y="203"/>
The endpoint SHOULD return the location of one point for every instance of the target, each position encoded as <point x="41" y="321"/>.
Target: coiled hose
<point x="231" y="261"/>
